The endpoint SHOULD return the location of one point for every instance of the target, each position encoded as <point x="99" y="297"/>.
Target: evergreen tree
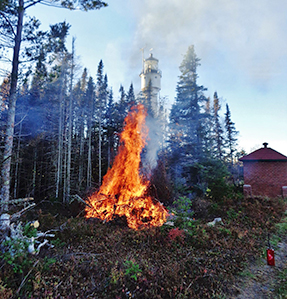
<point x="40" y="76"/>
<point x="130" y="98"/>
<point x="40" y="160"/>
<point x="57" y="38"/>
<point x="101" y="101"/>
<point x="187" y="118"/>
<point x="110" y="129"/>
<point x="120" y="112"/>
<point x="12" y="22"/>
<point x="208" y="138"/>
<point x="122" y="94"/>
<point x="12" y="26"/>
<point x="231" y="133"/>
<point x="186" y="113"/>
<point x="218" y="131"/>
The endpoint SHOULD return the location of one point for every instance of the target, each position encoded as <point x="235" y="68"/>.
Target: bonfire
<point x="123" y="192"/>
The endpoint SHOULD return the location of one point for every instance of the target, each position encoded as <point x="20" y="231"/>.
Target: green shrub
<point x="183" y="207"/>
<point x="29" y="230"/>
<point x="16" y="247"/>
<point x="58" y="242"/>
<point x="132" y="269"/>
<point x="213" y="174"/>
<point x="183" y="211"/>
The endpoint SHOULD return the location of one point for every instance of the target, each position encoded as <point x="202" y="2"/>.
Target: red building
<point x="265" y="173"/>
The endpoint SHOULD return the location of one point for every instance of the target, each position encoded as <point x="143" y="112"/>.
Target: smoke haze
<point x="242" y="45"/>
<point x="249" y="34"/>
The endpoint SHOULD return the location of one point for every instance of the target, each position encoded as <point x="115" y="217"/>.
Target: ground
<point x="259" y="280"/>
<point x="186" y="259"/>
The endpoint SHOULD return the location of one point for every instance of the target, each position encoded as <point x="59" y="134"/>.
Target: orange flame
<point x="123" y="190"/>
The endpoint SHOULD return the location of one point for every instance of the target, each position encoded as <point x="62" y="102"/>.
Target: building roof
<point x="151" y="57"/>
<point x="264" y="154"/>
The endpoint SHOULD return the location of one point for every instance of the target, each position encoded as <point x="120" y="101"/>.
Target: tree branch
<point x="21" y="120"/>
<point x="32" y="4"/>
<point x="25" y="278"/>
<point x="8" y="21"/>
<point x="5" y="159"/>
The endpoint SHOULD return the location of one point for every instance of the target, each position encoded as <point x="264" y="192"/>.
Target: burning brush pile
<point x="124" y="191"/>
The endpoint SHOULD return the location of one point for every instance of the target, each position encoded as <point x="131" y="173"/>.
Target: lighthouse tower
<point x="151" y="83"/>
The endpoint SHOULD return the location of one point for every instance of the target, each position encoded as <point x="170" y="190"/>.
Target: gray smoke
<point x="248" y="35"/>
<point x="153" y="146"/>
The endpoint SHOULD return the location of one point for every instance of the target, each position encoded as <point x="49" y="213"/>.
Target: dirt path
<point x="259" y="280"/>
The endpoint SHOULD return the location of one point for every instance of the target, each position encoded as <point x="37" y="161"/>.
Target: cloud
<point x="250" y="34"/>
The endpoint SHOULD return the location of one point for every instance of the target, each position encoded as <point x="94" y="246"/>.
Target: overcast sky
<point x="242" y="45"/>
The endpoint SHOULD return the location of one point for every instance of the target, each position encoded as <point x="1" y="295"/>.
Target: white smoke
<point x="154" y="142"/>
<point x="249" y="34"/>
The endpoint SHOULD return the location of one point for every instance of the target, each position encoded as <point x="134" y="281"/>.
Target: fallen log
<point x="16" y="201"/>
<point x="19" y="214"/>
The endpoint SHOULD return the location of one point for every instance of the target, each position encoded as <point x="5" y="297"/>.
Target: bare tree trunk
<point x="90" y="116"/>
<point x="89" y="167"/>
<point x="17" y="162"/>
<point x="6" y="166"/>
<point x="100" y="146"/>
<point x="69" y="156"/>
<point x="32" y="193"/>
<point x="60" y="137"/>
<point x="109" y="153"/>
<point x="65" y="164"/>
<point x="80" y="177"/>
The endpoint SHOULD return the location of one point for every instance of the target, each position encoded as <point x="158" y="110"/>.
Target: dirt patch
<point x="259" y="279"/>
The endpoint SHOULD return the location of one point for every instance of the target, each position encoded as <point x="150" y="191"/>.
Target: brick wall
<point x="265" y="178"/>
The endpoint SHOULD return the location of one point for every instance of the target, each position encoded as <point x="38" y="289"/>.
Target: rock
<point x="170" y="223"/>
<point x="212" y="223"/>
<point x="5" y="221"/>
<point x="31" y="248"/>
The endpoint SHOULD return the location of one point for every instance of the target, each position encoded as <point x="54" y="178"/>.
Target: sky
<point x="242" y="45"/>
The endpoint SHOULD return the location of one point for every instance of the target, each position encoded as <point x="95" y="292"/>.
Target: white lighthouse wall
<point x="155" y="80"/>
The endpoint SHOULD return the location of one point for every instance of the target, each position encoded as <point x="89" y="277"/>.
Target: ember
<point x="123" y="190"/>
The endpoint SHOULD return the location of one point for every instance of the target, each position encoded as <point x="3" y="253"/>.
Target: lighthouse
<point x="151" y="83"/>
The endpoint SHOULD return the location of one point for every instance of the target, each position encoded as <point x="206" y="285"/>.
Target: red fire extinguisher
<point x="270" y="255"/>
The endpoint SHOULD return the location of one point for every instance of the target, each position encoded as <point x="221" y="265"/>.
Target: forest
<point x="60" y="135"/>
<point x="66" y="129"/>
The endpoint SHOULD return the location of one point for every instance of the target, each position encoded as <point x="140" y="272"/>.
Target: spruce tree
<point x="187" y="118"/>
<point x="12" y="26"/>
<point x="101" y="102"/>
<point x="208" y="138"/>
<point x="44" y="126"/>
<point x="110" y="129"/>
<point x="122" y="109"/>
<point x="130" y="99"/>
<point x="218" y="131"/>
<point x="231" y="133"/>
